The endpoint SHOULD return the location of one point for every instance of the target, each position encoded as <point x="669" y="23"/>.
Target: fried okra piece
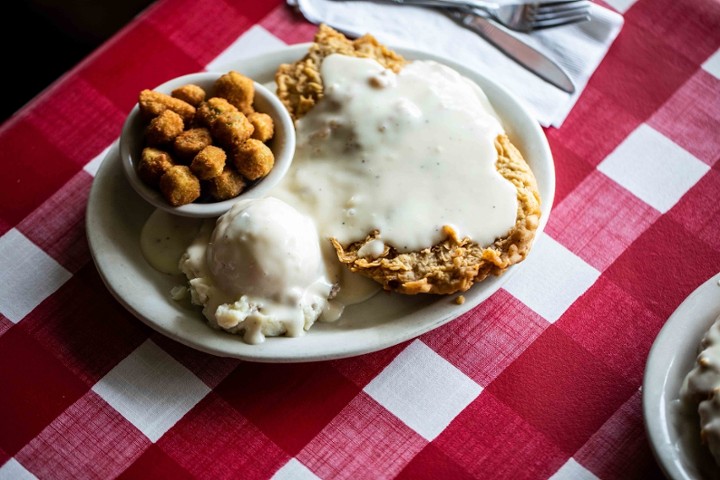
<point x="263" y="124"/>
<point x="229" y="184"/>
<point x="190" y="142"/>
<point x="190" y="93"/>
<point x="208" y="163"/>
<point x="253" y="159"/>
<point x="237" y="89"/>
<point x="231" y="129"/>
<point x="208" y="111"/>
<point x="153" y="164"/>
<point x="179" y="186"/>
<point x="164" y="128"/>
<point x="154" y="103"/>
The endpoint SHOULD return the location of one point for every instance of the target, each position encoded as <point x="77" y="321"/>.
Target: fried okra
<point x="164" y="128"/>
<point x="190" y="142"/>
<point x="190" y="93"/>
<point x="228" y="184"/>
<point x="237" y="89"/>
<point x="208" y="163"/>
<point x="208" y="111"/>
<point x="153" y="164"/>
<point x="263" y="125"/>
<point x="154" y="103"/>
<point x="253" y="159"/>
<point x="179" y="186"/>
<point x="204" y="148"/>
<point x="231" y="129"/>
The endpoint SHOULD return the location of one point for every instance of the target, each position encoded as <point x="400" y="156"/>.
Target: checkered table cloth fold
<point x="540" y="381"/>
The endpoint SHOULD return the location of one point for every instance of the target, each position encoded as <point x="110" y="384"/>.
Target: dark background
<point x="43" y="39"/>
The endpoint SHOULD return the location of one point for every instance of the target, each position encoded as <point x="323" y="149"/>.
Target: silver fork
<point x="522" y="17"/>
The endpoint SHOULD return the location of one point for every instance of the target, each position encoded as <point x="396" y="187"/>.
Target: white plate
<point x="676" y="440"/>
<point x="116" y="214"/>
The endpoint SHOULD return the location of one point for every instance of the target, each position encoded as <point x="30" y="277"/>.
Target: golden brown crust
<point x="454" y="264"/>
<point x="300" y="85"/>
<point x="192" y="94"/>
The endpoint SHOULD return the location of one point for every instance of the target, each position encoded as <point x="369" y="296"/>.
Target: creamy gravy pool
<point x="405" y="154"/>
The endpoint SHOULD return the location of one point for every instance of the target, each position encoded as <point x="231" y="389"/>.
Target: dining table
<point x="543" y="379"/>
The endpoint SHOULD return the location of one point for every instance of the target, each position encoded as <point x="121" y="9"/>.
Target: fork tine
<point x="542" y="14"/>
<point x="559" y="9"/>
<point x="559" y="22"/>
<point x="551" y="3"/>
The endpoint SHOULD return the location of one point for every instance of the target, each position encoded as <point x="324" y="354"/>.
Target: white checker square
<point x="653" y="168"/>
<point x="92" y="166"/>
<point x="423" y="390"/>
<point x="151" y="390"/>
<point x="294" y="470"/>
<point x="551" y="278"/>
<point x="621" y="6"/>
<point x="572" y="470"/>
<point x="28" y="275"/>
<point x="254" y="42"/>
<point x="712" y="64"/>
<point x="13" y="470"/>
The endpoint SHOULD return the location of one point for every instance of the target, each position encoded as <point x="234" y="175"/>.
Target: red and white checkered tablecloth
<point x="540" y="381"/>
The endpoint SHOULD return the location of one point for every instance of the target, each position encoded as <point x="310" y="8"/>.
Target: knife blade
<point x="522" y="53"/>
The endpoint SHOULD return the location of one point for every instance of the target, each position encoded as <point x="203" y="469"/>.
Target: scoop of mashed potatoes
<point x="259" y="271"/>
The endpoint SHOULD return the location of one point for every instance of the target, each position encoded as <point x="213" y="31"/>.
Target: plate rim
<point x="658" y="373"/>
<point x="259" y="355"/>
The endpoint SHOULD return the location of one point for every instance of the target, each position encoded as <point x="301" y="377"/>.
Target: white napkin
<point x="578" y="48"/>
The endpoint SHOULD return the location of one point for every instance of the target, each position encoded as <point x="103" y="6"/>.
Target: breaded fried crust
<point x="454" y="264"/>
<point x="300" y="85"/>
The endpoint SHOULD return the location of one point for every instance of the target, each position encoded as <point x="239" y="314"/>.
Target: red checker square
<point x="363" y="441"/>
<point x="363" y="368"/>
<point x="5" y="226"/>
<point x="614" y="326"/>
<point x="4" y="457"/>
<point x="599" y="220"/>
<point x="208" y="368"/>
<point x="430" y="464"/>
<point x="205" y="35"/>
<point x="561" y="389"/>
<point x="28" y="177"/>
<point x="594" y="128"/>
<point x="85" y="327"/>
<point x="138" y="57"/>
<point x="76" y="118"/>
<point x="651" y="72"/>
<point x="691" y="117"/>
<point x="272" y="396"/>
<point x="491" y="440"/>
<point x="5" y="324"/>
<point x="77" y="443"/>
<point x="58" y="225"/>
<point x="570" y="169"/>
<point x="664" y="265"/>
<point x="154" y="463"/>
<point x="620" y="448"/>
<point x="484" y="341"/>
<point x="699" y="209"/>
<point x="36" y="389"/>
<point x="214" y="441"/>
<point x="288" y="25"/>
<point x="256" y="11"/>
<point x="689" y="28"/>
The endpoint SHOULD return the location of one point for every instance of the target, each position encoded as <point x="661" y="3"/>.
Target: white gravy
<point x="403" y="153"/>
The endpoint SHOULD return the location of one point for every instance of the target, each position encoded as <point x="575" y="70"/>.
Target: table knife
<point x="520" y="52"/>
